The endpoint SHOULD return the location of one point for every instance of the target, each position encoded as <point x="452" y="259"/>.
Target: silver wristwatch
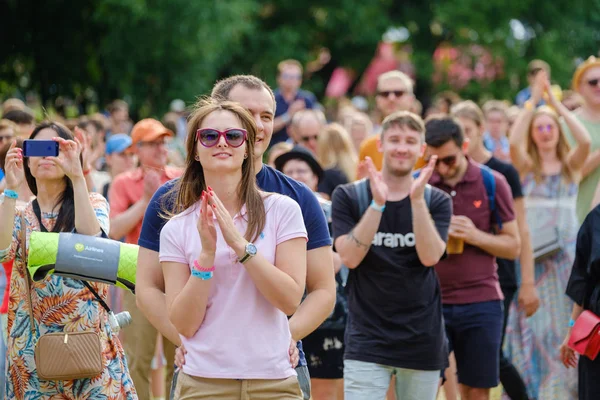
<point x="251" y="251"/>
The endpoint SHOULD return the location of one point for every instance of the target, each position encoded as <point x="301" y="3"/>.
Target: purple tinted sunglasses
<point x="209" y="137"/>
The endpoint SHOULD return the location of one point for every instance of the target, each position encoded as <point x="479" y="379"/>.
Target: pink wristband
<point x="199" y="268"/>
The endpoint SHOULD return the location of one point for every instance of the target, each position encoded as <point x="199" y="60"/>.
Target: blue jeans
<point x="370" y="381"/>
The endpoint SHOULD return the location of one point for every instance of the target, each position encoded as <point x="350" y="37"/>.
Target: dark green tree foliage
<point x="151" y="51"/>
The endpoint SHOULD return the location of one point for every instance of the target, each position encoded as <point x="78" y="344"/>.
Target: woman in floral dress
<point x="59" y="304"/>
<point x="550" y="171"/>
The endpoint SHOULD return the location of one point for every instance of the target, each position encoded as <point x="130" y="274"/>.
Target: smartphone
<point x="40" y="148"/>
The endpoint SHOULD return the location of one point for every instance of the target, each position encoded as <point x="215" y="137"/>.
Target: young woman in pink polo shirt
<point x="234" y="261"/>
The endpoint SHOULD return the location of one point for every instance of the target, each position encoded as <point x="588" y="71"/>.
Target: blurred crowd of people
<point x="468" y="272"/>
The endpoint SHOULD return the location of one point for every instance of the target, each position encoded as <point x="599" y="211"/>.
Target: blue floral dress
<point x="533" y="343"/>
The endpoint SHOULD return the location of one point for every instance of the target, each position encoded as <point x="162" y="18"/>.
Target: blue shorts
<point x="474" y="333"/>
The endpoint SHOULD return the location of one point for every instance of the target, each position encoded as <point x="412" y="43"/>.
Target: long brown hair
<point x="562" y="148"/>
<point x="65" y="221"/>
<point x="188" y="189"/>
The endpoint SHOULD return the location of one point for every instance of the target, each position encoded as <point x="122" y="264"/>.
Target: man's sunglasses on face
<point x="307" y="139"/>
<point x="448" y="161"/>
<point x="534" y="72"/>
<point x="296" y="77"/>
<point x="386" y="93"/>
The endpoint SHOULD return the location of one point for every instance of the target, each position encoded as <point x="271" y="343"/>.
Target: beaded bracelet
<point x="204" y="275"/>
<point x="202" y="269"/>
<point x="11" y="194"/>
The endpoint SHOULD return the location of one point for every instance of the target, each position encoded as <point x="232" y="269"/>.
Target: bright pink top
<point x="8" y="266"/>
<point x="242" y="336"/>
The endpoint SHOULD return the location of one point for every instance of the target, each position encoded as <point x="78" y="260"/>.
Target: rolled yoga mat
<point x="82" y="257"/>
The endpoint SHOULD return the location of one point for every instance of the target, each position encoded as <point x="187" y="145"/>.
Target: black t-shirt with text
<point x="506" y="268"/>
<point x="394" y="302"/>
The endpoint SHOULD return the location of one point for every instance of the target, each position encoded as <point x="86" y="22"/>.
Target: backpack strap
<point x="362" y="194"/>
<point x="427" y="194"/>
<point x="490" y="187"/>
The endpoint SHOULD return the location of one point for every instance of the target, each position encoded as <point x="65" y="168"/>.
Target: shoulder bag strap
<point x="97" y="296"/>
<point x="25" y="272"/>
<point x="38" y="213"/>
<point x="558" y="196"/>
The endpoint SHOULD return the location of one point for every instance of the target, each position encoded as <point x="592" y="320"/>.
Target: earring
<point x="245" y="156"/>
<point x="197" y="157"/>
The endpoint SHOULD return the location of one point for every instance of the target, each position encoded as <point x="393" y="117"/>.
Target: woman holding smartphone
<point x="234" y="261"/>
<point x="58" y="304"/>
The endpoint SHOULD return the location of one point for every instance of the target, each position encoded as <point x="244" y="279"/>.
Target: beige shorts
<point x="191" y="387"/>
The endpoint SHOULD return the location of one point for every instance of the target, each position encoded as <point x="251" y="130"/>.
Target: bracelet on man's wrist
<point x="571" y="323"/>
<point x="376" y="206"/>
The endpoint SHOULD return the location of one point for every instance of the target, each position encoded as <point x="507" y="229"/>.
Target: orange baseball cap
<point x="148" y="130"/>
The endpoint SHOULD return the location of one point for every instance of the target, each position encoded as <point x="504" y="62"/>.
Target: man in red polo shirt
<point x="471" y="295"/>
<point x="129" y="196"/>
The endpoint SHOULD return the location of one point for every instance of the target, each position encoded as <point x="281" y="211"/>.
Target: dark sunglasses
<point x="593" y="82"/>
<point x="306" y="139"/>
<point x="449" y="161"/>
<point x="209" y="137"/>
<point x="534" y="71"/>
<point x="545" y="128"/>
<point x="291" y="76"/>
<point x="386" y="93"/>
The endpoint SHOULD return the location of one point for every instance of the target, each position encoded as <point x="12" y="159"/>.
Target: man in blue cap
<point x="118" y="158"/>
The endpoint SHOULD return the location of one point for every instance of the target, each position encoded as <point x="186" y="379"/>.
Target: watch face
<point x="251" y="249"/>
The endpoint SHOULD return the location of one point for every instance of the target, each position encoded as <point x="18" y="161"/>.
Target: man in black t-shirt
<point x="471" y="117"/>
<point x="395" y="324"/>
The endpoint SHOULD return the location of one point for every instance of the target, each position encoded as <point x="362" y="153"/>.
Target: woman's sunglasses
<point x="209" y="137"/>
<point x="593" y="82"/>
<point x="545" y="128"/>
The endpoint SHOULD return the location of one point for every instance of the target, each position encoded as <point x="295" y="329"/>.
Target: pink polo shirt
<point x="242" y="336"/>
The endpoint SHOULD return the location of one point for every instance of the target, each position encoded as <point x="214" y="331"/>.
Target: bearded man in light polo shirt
<point x="129" y="196"/>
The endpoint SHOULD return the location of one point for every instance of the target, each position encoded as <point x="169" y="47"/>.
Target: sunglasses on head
<point x="209" y="137"/>
<point x="386" y="93"/>
<point x="593" y="82"/>
<point x="449" y="161"/>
